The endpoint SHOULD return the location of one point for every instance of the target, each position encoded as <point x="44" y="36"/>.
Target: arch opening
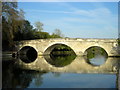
<point x="60" y="49"/>
<point x="95" y="55"/>
<point x="59" y="55"/>
<point x="27" y="54"/>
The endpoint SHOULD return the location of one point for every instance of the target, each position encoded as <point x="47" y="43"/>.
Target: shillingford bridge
<point x="78" y="45"/>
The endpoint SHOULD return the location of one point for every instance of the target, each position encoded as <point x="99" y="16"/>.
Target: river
<point x="61" y="72"/>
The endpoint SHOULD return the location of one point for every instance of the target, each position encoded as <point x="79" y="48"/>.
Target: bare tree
<point x="58" y="32"/>
<point x="39" y="26"/>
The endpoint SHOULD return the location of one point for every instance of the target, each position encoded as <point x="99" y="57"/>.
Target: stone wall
<point x="79" y="46"/>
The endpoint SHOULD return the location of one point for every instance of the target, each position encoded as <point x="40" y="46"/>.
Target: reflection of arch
<point x="28" y="54"/>
<point x="52" y="46"/>
<point x="85" y="52"/>
<point x="59" y="61"/>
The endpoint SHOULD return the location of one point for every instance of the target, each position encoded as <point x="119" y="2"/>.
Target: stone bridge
<point x="78" y="45"/>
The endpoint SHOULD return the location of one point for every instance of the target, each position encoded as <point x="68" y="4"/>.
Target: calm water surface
<point x="16" y="78"/>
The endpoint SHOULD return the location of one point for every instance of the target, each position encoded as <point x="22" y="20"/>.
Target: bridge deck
<point x="77" y="39"/>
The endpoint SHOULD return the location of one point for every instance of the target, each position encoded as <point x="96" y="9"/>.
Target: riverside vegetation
<point x="15" y="27"/>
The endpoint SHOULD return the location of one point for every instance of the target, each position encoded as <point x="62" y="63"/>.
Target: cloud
<point x="96" y="16"/>
<point x="89" y="13"/>
<point x="82" y="22"/>
<point x="47" y="11"/>
<point x="101" y="21"/>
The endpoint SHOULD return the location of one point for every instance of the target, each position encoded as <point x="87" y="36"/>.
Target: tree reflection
<point x="17" y="78"/>
<point x="60" y="60"/>
<point x="56" y="74"/>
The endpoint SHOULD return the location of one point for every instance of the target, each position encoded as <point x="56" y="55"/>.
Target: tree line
<point x="15" y="27"/>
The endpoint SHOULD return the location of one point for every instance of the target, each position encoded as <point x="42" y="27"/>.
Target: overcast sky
<point x="75" y="19"/>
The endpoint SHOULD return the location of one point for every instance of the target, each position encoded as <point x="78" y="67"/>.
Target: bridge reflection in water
<point x="75" y="72"/>
<point x="71" y="64"/>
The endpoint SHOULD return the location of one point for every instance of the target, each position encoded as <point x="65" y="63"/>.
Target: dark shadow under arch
<point x="27" y="54"/>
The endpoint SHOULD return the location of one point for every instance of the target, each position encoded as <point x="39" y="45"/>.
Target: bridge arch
<point x="99" y="47"/>
<point x="49" y="48"/>
<point x="79" y="46"/>
<point x="28" y="54"/>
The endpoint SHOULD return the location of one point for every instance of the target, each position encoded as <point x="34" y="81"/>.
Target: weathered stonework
<point x="79" y="46"/>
